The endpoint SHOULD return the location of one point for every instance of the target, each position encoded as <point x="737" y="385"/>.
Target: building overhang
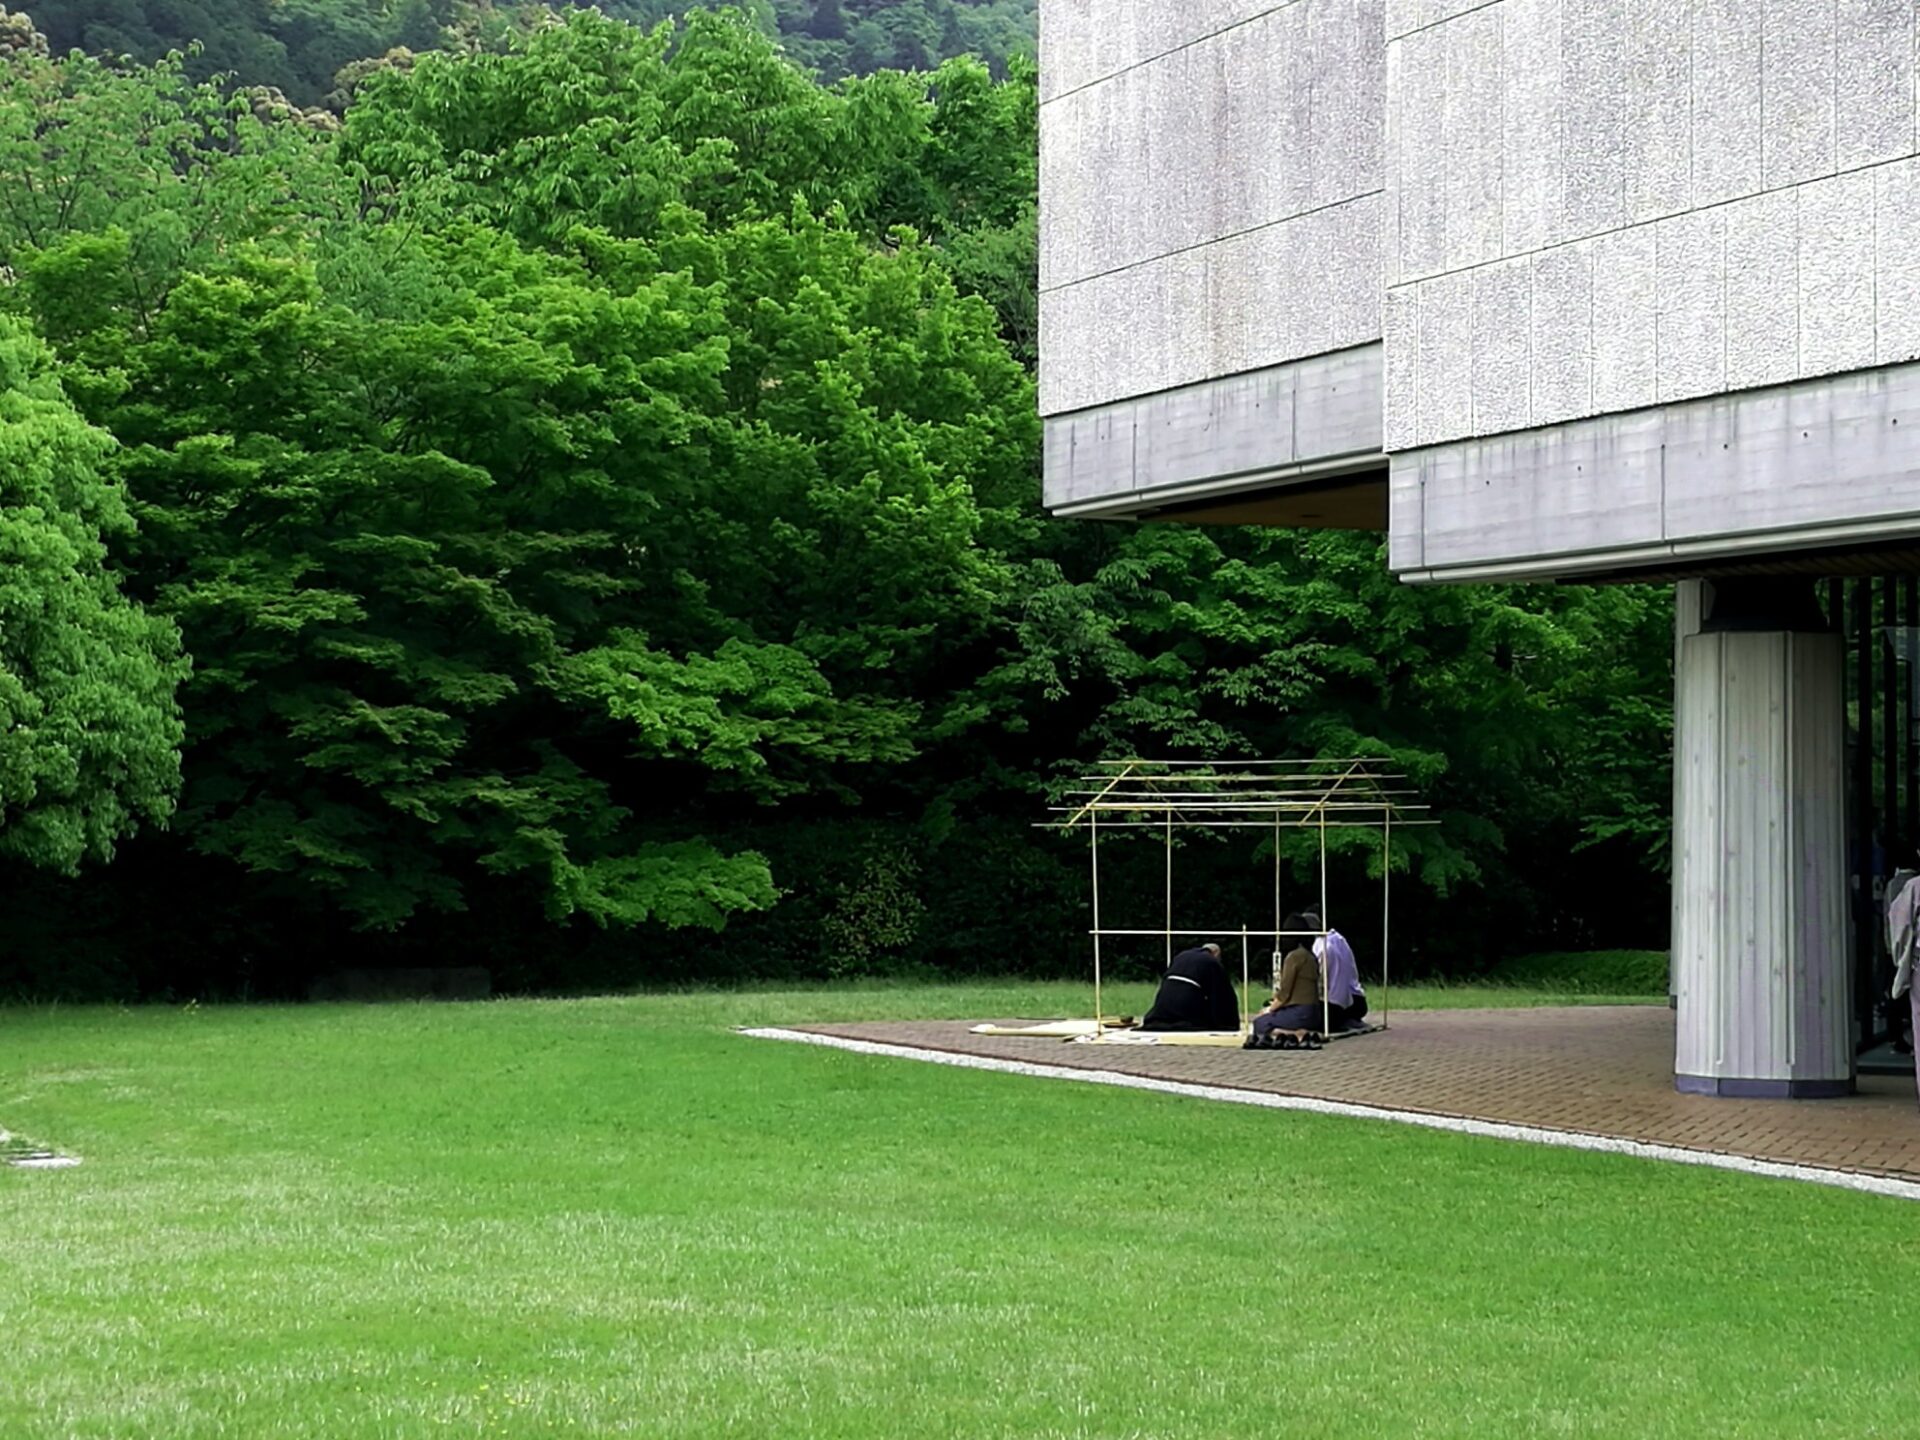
<point x="1297" y="444"/>
<point x="1813" y="477"/>
<point x="1806" y="473"/>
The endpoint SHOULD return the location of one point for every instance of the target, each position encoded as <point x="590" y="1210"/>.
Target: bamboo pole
<point x="1156" y="826"/>
<point x="1386" y="915"/>
<point x="1276" y="884"/>
<point x="1169" y="911"/>
<point x="1210" y="929"/>
<point x="1296" y="763"/>
<point x="1175" y="794"/>
<point x="1326" y="950"/>
<point x="1336" y="787"/>
<point x="1099" y="1013"/>
<point x="1090" y="804"/>
<point x="1244" y="980"/>
<point x="1304" y="808"/>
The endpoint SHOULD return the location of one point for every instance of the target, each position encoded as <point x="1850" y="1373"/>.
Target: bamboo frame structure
<point x="1319" y="795"/>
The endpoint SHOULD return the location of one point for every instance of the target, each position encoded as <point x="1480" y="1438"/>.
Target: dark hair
<point x="1295" y="924"/>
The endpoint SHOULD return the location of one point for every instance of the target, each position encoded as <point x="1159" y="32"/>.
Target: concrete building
<point x="1543" y="289"/>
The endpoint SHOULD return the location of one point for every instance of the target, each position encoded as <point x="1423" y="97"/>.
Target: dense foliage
<point x="89" y="728"/>
<point x="597" y="488"/>
<point x="302" y="48"/>
<point x="836" y="38"/>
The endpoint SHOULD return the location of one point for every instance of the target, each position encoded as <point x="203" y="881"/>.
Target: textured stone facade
<point x="1595" y="206"/>
<point x="1642" y="274"/>
<point x="1212" y="183"/>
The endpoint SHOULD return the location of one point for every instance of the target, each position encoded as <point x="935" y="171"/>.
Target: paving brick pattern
<point x="1597" y="1070"/>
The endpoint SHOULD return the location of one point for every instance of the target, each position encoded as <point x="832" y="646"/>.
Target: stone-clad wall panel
<point x="1211" y="183"/>
<point x="1709" y="196"/>
<point x="1303" y="287"/>
<point x="1083" y="42"/>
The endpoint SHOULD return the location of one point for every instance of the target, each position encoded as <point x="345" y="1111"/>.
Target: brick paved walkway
<point x="1596" y="1070"/>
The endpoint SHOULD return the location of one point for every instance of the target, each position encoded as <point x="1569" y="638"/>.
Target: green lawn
<point x="612" y="1217"/>
<point x="1628" y="972"/>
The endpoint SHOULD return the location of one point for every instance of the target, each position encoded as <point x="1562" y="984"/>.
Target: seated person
<point x="1195" y="994"/>
<point x="1295" y="1008"/>
<point x="1346" y="999"/>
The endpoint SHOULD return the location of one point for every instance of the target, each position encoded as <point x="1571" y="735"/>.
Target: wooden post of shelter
<point x="1243" y="980"/>
<point x="1386" y="910"/>
<point x="1169" y="911"/>
<point x="1099" y="1012"/>
<point x="1276" y="890"/>
<point x="1326" y="950"/>
<point x="1092" y="810"/>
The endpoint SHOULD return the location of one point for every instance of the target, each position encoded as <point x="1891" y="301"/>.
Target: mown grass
<point x="613" y="1217"/>
<point x="1607" y="972"/>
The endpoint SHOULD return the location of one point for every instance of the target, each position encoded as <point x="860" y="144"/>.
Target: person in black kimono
<point x="1195" y="994"/>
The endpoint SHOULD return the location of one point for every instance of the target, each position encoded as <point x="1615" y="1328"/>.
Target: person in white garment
<point x="1903" y="934"/>
<point x="1346" y="997"/>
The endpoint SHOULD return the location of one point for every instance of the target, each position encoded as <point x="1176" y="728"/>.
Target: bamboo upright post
<point x="1099" y="1013"/>
<point x="1169" y="912"/>
<point x="1276" y="889"/>
<point x="1243" y="980"/>
<point x="1326" y="1004"/>
<point x="1323" y="869"/>
<point x="1386" y="914"/>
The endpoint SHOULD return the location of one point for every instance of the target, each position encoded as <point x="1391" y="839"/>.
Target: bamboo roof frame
<point x="1269" y="795"/>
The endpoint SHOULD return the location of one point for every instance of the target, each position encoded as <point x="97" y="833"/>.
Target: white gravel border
<point x="1493" y="1130"/>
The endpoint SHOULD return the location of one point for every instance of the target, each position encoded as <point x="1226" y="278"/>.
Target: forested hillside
<point x="580" y="516"/>
<point x="856" y="37"/>
<point x="299" y="47"/>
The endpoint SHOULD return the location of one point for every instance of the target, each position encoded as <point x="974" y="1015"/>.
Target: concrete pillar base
<point x="1730" y="1089"/>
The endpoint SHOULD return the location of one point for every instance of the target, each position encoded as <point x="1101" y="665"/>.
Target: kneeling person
<point x="1295" y="1008"/>
<point x="1195" y="994"/>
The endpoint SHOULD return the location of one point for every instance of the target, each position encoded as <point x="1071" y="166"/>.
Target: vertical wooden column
<point x="1760" y="939"/>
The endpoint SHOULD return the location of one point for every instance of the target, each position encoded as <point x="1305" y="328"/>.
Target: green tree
<point x="299" y="46"/>
<point x="717" y="121"/>
<point x="89" y="728"/>
<point x="469" y="539"/>
<point x="827" y="22"/>
<point x="1168" y="640"/>
<point x="415" y="26"/>
<point x="169" y="171"/>
<point x="380" y="622"/>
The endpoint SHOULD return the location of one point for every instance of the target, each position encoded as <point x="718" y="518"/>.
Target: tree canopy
<point x="308" y="49"/>
<point x="89" y="727"/>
